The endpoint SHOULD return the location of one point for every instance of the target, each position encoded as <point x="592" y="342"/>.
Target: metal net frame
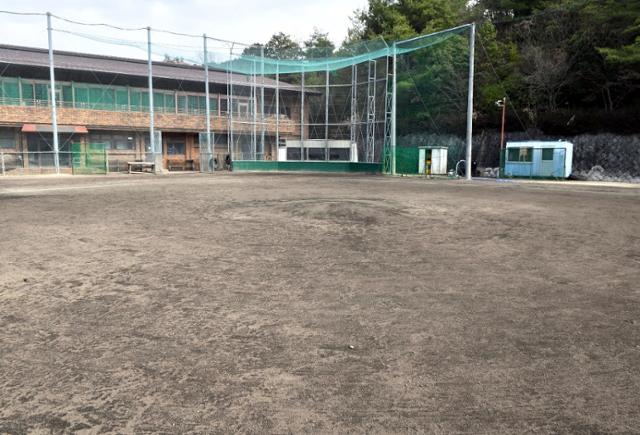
<point x="358" y="103"/>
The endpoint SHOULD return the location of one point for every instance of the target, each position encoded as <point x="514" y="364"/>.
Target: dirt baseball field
<point x="324" y="304"/>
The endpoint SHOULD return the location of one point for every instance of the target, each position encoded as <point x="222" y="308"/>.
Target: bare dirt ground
<point x="289" y="303"/>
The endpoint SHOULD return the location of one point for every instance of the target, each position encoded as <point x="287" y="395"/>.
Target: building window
<point x="7" y="139"/>
<point x="113" y="141"/>
<point x="213" y="105"/>
<point x="139" y="101"/>
<point x="524" y="155"/>
<point x="27" y="94"/>
<point x="122" y="99"/>
<point x="15" y="91"/>
<point x="243" y="110"/>
<point x="175" y="148"/>
<point x="170" y="103"/>
<point x="547" y="154"/>
<point x="315" y="153"/>
<point x="293" y="154"/>
<point x="42" y="92"/>
<point x="9" y="91"/>
<point x="339" y="154"/>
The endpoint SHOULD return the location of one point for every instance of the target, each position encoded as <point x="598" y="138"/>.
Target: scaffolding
<point x="358" y="103"/>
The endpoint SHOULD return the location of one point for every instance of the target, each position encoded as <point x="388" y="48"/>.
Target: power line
<point x="125" y="29"/>
<point x="80" y="23"/>
<point x="486" y="54"/>
<point x="104" y="39"/>
<point x="128" y="29"/>
<point x="23" y="13"/>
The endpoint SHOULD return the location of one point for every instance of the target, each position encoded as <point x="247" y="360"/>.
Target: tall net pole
<point x="207" y="104"/>
<point x="393" y="110"/>
<point x="254" y="112"/>
<point x="152" y="133"/>
<point x="54" y="113"/>
<point x="371" y="110"/>
<point x="230" y="103"/>
<point x="302" y="118"/>
<point x="277" y="109"/>
<point x="472" y="45"/>
<point x="354" y="102"/>
<point x="326" y="115"/>
<point x="262" y="118"/>
<point x="385" y="126"/>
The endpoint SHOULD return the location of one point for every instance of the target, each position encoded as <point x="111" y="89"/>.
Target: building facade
<point x="103" y="102"/>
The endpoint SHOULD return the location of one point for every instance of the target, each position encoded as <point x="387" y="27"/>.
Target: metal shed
<point x="432" y="160"/>
<point x="538" y="159"/>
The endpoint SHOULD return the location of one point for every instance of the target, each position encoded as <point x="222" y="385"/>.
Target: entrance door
<point x="175" y="155"/>
<point x="552" y="162"/>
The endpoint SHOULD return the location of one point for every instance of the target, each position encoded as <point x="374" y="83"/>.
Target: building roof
<point x="39" y="57"/>
<point x="540" y="144"/>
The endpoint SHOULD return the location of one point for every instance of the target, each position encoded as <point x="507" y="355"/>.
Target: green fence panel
<point x="407" y="160"/>
<point x="90" y="160"/>
<point x="298" y="166"/>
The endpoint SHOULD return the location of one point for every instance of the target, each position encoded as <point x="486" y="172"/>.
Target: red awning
<point x="48" y="128"/>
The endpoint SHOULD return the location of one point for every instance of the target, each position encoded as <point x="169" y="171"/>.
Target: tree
<point x="617" y="25"/>
<point x="254" y="49"/>
<point x="173" y="59"/>
<point x="394" y="20"/>
<point x="508" y="10"/>
<point x="282" y="46"/>
<point x="546" y="73"/>
<point x="318" y="45"/>
<point x="384" y="18"/>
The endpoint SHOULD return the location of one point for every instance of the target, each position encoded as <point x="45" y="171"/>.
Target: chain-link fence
<point x="43" y="162"/>
<point x="189" y="102"/>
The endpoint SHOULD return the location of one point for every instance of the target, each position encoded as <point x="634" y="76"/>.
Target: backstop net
<point x="393" y="107"/>
<point x="351" y="104"/>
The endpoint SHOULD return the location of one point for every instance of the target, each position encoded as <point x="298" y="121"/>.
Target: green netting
<point x="249" y="59"/>
<point x="89" y="159"/>
<point x="307" y="104"/>
<point x="244" y="60"/>
<point x="265" y="166"/>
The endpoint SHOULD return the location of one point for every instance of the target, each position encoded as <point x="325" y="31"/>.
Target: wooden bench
<point x="181" y="165"/>
<point x="141" y="165"/>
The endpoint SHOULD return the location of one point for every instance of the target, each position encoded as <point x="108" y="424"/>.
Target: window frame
<point x="528" y="156"/>
<point x="547" y="150"/>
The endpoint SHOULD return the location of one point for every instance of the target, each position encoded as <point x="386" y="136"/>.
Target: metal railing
<point x="33" y="162"/>
<point x="103" y="162"/>
<point x="113" y="107"/>
<point x="43" y="162"/>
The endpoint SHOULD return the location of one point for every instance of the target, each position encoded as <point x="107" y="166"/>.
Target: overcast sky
<point x="244" y="21"/>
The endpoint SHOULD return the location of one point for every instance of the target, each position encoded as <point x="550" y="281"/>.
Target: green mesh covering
<point x="239" y="62"/>
<point x="89" y="159"/>
<point x="307" y="104"/>
<point x="265" y="166"/>
<point x="244" y="59"/>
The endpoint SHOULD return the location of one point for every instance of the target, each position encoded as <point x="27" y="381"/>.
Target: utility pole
<point x="152" y="131"/>
<point x="502" y="103"/>
<point x="54" y="114"/>
<point x="207" y="104"/>
<point x="472" y="46"/>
